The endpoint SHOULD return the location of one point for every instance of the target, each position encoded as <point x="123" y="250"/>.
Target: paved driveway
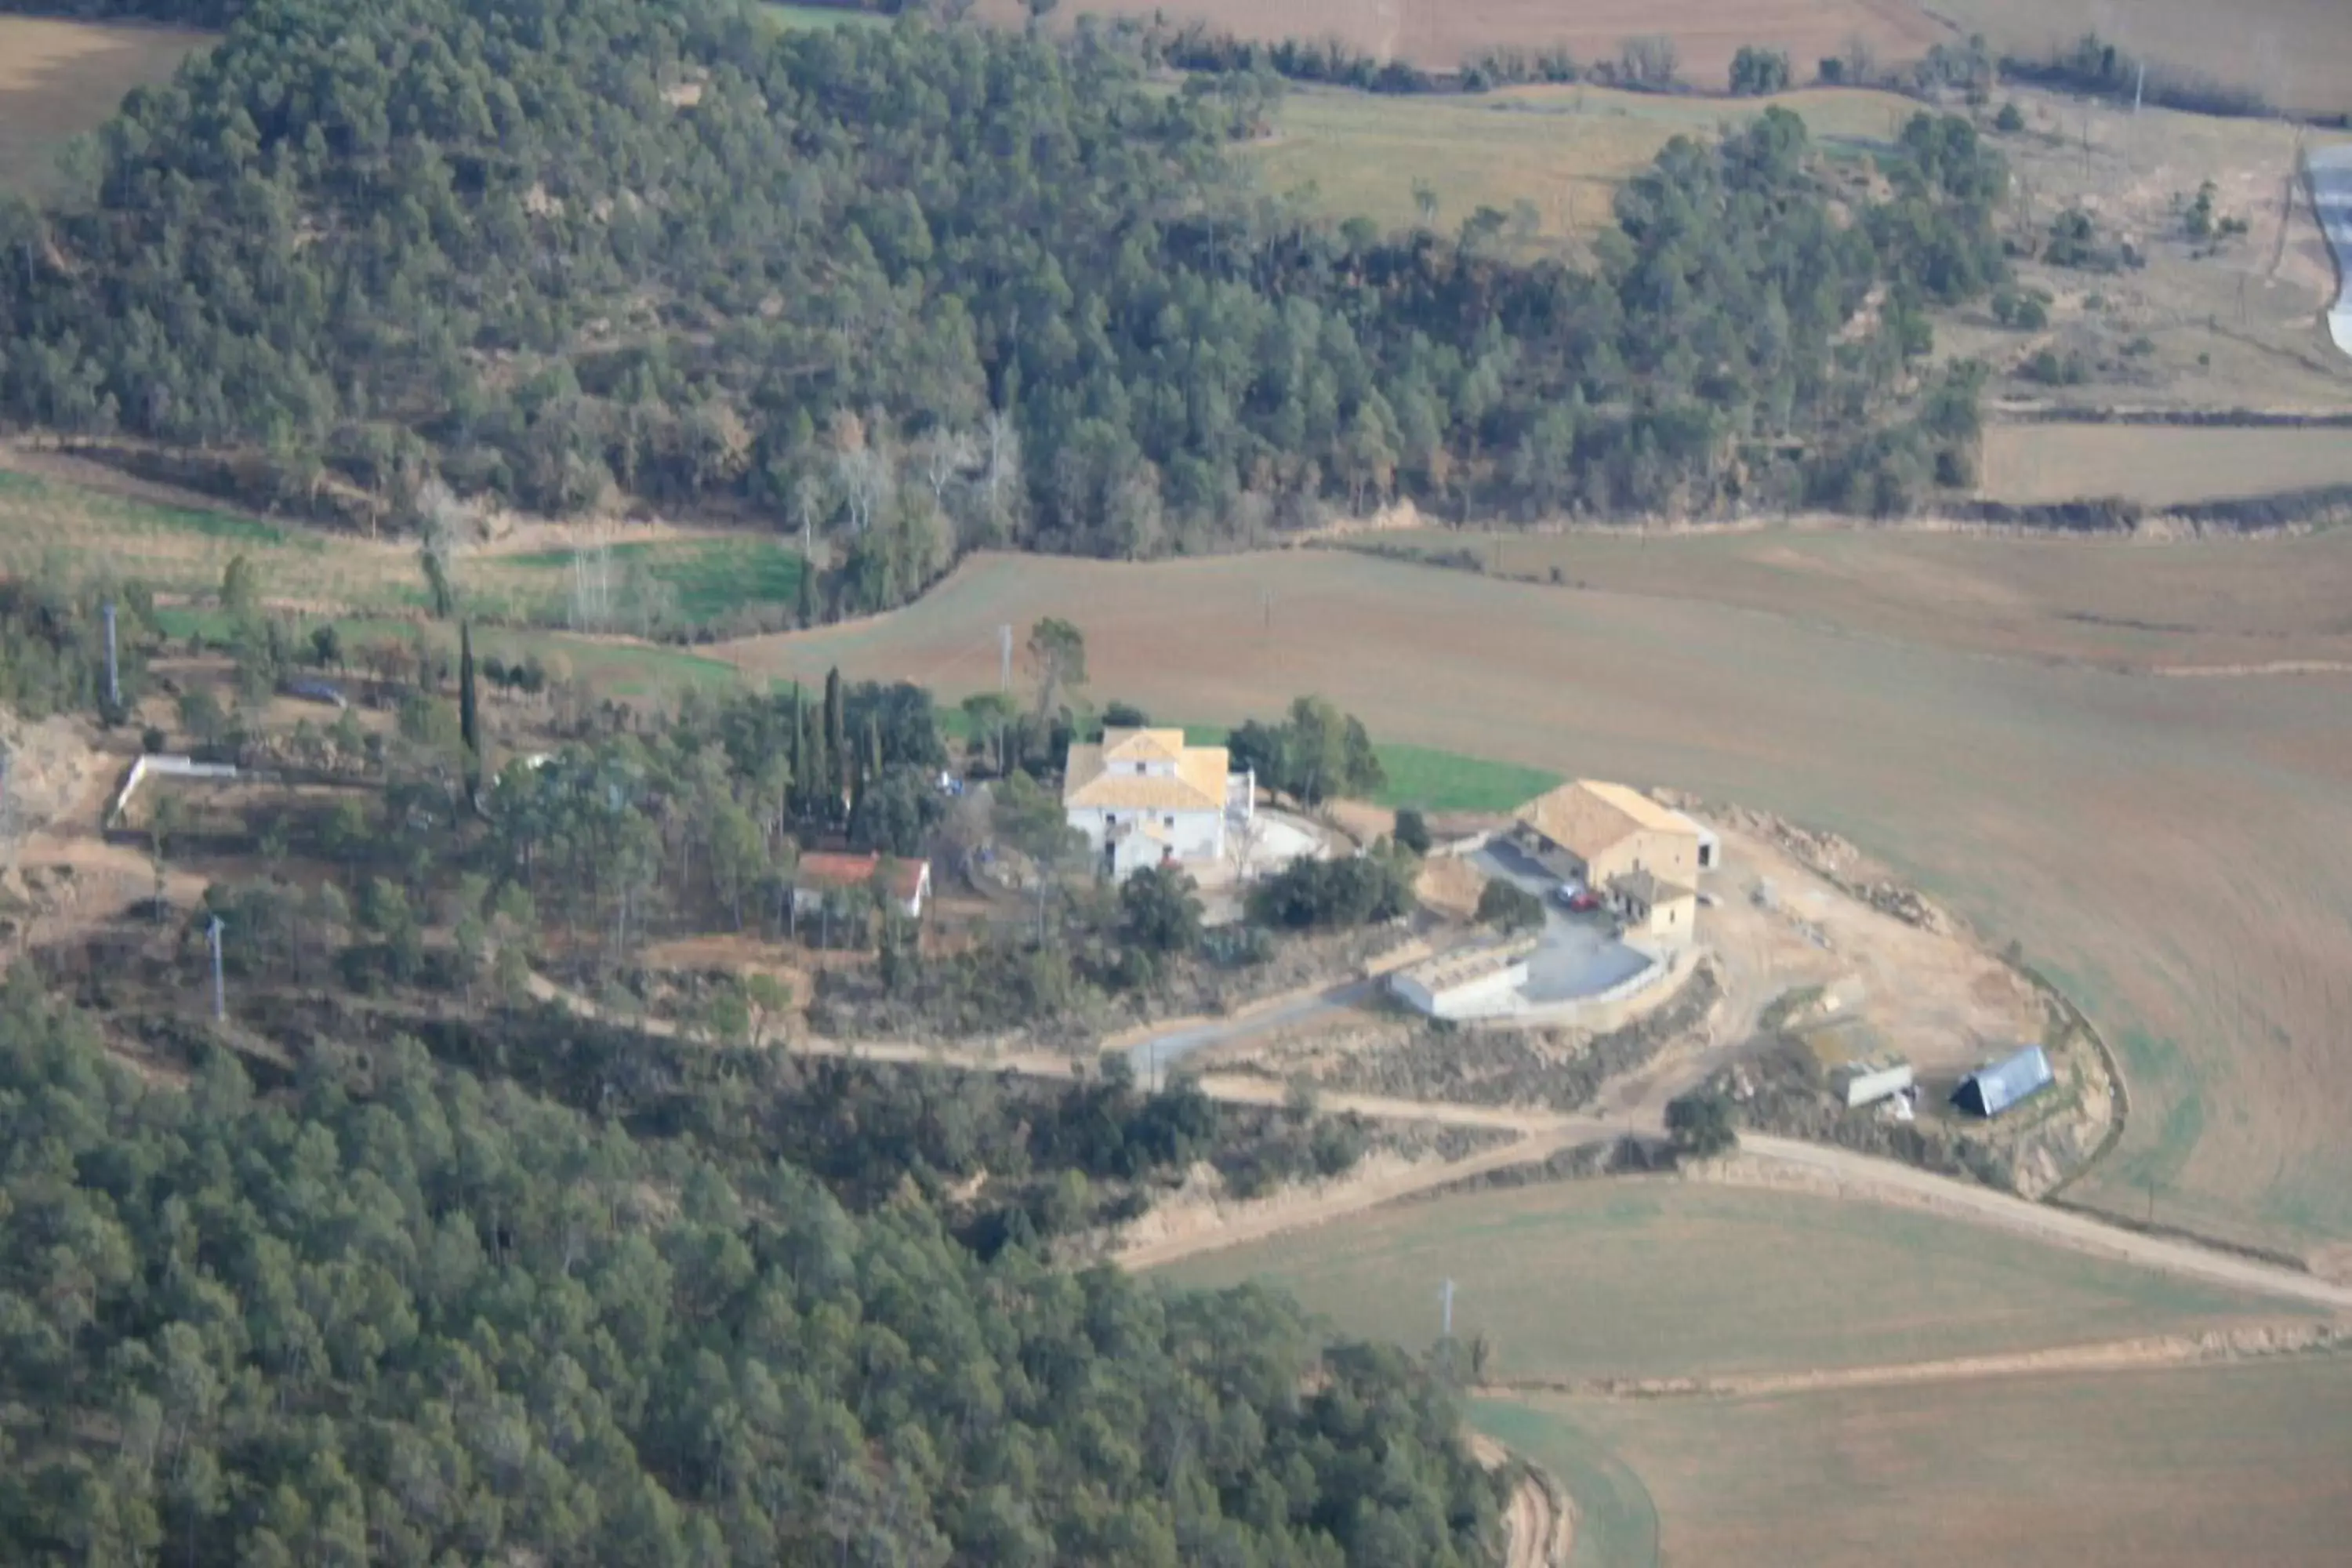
<point x="1578" y="955"/>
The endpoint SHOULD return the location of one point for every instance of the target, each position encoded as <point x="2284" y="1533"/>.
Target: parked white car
<point x="1568" y="892"/>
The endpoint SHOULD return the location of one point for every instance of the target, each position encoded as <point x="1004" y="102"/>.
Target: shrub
<point x="1356" y="891"/>
<point x="1756" y="73"/>
<point x="2010" y="121"/>
<point x="2027" y="309"/>
<point x="1703" y="1123"/>
<point x="1412" y="831"/>
<point x="1509" y="907"/>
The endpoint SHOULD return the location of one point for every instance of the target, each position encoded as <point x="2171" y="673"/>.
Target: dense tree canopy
<point x="928" y="284"/>
<point x="396" y="1315"/>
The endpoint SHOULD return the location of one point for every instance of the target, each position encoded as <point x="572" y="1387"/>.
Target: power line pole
<point x="1004" y="658"/>
<point x="1445" y="1294"/>
<point x="220" y="998"/>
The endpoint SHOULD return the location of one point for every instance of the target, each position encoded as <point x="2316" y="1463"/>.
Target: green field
<point x="708" y="578"/>
<point x="2167" y="1468"/>
<point x="1430" y="779"/>
<point x="1658" y="1279"/>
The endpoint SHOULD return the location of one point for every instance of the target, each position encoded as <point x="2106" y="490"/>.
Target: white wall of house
<point x="1193" y="835"/>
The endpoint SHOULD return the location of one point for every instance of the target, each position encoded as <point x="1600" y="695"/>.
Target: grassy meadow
<point x="183" y="550"/>
<point x="1593" y="1280"/>
<point x="2178" y="852"/>
<point x="1563" y="149"/>
<point x="61" y="78"/>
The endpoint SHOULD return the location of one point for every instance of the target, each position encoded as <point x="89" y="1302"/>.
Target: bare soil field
<point x="2122" y="604"/>
<point x="2176" y="853"/>
<point x="2158" y="465"/>
<point x="2297" y="53"/>
<point x="1624" y="1280"/>
<point x="61" y="78"/>
<point x="1438" y="35"/>
<point x="2229" y="1463"/>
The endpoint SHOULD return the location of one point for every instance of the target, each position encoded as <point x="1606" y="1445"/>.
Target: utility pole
<point x="114" y="668"/>
<point x="1003" y="658"/>
<point x="1445" y="1294"/>
<point x="220" y="998"/>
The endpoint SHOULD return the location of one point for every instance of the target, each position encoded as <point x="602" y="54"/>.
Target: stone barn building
<point x="1597" y="833"/>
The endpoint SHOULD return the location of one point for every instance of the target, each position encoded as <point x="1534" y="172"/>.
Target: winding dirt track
<point x="1538" y="1532"/>
<point x="1543" y="1133"/>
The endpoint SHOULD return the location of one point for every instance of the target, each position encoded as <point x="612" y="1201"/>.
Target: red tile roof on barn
<point x="828" y="870"/>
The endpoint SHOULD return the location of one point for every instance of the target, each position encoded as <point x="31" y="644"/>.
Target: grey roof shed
<point x="1989" y="1092"/>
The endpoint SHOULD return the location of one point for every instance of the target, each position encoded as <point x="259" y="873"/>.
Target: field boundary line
<point x="2147" y="1353"/>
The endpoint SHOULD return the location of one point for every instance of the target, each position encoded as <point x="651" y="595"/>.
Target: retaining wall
<point x="1621" y="1003"/>
<point x="170" y="767"/>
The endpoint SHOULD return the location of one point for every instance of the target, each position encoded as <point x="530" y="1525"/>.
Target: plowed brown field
<point x="2178" y="853"/>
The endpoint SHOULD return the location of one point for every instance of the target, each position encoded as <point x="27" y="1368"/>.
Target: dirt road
<point x="1543" y="1133"/>
<point x="1860" y="1175"/>
<point x="1262" y="1218"/>
<point x="1538" y="1531"/>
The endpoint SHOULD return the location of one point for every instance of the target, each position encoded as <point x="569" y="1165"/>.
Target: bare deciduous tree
<point x="1001" y="442"/>
<point x="866" y="481"/>
<point x="942" y="456"/>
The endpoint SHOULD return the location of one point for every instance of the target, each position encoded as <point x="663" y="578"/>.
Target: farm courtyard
<point x="2174" y="853"/>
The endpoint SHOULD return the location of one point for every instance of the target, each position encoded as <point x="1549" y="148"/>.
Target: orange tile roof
<point x="826" y="868"/>
<point x="1197" y="784"/>
<point x="1587" y="818"/>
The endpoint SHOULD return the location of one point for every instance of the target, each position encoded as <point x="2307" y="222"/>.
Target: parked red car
<point x="1585" y="902"/>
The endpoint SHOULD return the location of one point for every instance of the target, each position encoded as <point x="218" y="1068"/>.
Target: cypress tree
<point x="799" y="787"/>
<point x="837" y="742"/>
<point x="808" y="592"/>
<point x="468" y="706"/>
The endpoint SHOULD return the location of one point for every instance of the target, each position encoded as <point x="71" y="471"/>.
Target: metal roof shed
<point x="1989" y="1092"/>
